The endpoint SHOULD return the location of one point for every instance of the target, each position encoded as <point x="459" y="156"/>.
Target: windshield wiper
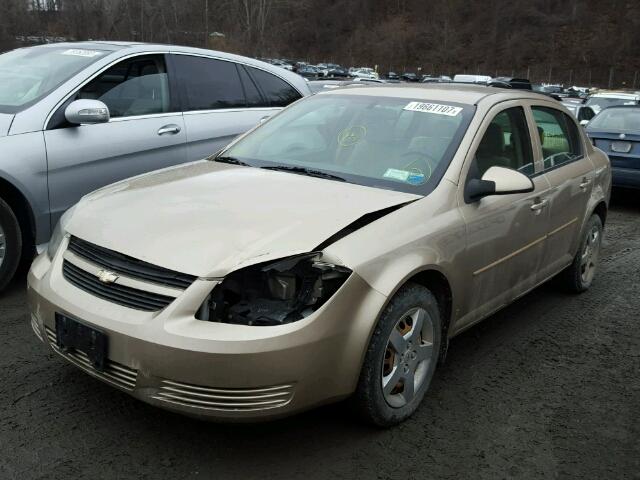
<point x="231" y="160"/>
<point x="305" y="171"/>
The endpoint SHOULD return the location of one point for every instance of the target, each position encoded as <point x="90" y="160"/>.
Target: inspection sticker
<point x="436" y="108"/>
<point x="78" y="52"/>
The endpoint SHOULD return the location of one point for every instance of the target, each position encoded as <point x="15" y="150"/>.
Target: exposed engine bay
<point x="274" y="293"/>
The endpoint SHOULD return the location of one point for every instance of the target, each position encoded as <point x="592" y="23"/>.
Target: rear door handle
<point x="585" y="183"/>
<point x="171" y="129"/>
<point x="539" y="205"/>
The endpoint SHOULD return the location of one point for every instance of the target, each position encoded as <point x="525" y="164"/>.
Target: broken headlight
<point x="274" y="293"/>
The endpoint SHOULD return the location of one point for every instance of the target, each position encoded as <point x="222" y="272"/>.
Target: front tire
<point x="578" y="276"/>
<point x="401" y="358"/>
<point x="10" y="244"/>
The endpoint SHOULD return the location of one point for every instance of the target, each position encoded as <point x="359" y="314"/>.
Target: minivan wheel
<point x="579" y="276"/>
<point x="401" y="358"/>
<point x="10" y="244"/>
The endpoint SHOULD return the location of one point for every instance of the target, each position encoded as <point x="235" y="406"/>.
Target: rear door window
<point x="254" y="98"/>
<point x="277" y="92"/>
<point x="559" y="137"/>
<point x="208" y="84"/>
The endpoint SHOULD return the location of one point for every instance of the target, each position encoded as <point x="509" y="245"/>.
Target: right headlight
<point x="274" y="293"/>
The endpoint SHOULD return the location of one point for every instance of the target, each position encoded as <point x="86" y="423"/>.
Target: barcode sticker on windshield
<point x="436" y="108"/>
<point x="77" y="52"/>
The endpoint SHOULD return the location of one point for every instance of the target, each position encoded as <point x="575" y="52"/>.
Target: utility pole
<point x="142" y="20"/>
<point x="635" y="78"/>
<point x="610" y="77"/>
<point x="206" y="23"/>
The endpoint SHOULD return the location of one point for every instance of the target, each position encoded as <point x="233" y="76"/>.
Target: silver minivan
<point x="78" y="116"/>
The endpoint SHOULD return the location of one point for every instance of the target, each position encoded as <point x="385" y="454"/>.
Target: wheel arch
<point x="434" y="279"/>
<point x="21" y="208"/>
<point x="601" y="210"/>
<point x="438" y="284"/>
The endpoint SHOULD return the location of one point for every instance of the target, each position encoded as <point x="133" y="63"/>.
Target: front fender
<point x="23" y="165"/>
<point x="428" y="234"/>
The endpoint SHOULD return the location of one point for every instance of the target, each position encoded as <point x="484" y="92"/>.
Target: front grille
<point x="114" y="372"/>
<point x="229" y="399"/>
<point x="129" y="266"/>
<point x="120" y="294"/>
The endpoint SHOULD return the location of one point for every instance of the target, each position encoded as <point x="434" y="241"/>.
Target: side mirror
<point x="86" y="112"/>
<point x="584" y="123"/>
<point x="498" y="181"/>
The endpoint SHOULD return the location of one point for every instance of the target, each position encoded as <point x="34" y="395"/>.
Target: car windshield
<point x="394" y="143"/>
<point x="617" y="119"/>
<point x="600" y="103"/>
<point x="29" y="74"/>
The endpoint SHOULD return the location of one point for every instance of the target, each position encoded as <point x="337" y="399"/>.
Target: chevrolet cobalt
<point x="331" y="252"/>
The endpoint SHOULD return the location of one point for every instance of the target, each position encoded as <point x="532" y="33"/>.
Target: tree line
<point x="572" y="40"/>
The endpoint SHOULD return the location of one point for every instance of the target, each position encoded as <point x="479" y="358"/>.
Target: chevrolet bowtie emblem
<point x="105" y="276"/>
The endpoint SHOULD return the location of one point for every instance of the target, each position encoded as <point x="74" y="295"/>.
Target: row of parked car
<point x="261" y="278"/>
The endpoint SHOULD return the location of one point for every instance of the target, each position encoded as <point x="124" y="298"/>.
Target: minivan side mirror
<point x="86" y="111"/>
<point x="498" y="181"/>
<point x="584" y="122"/>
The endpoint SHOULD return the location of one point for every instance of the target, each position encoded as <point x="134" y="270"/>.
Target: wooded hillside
<point x="572" y="41"/>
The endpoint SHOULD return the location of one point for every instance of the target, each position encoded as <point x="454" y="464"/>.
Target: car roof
<point x="616" y="95"/>
<point x="613" y="107"/>
<point x="451" y="92"/>
<point x="89" y="45"/>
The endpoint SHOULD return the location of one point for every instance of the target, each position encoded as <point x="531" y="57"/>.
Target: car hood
<point x="208" y="219"/>
<point x="5" y="124"/>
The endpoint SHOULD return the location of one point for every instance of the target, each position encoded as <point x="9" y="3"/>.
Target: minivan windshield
<point x="29" y="74"/>
<point x="600" y="103"/>
<point x="395" y="143"/>
<point x="625" y="119"/>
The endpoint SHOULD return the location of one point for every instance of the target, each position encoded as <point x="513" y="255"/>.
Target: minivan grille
<point x="114" y="372"/>
<point x="129" y="266"/>
<point x="120" y="294"/>
<point x="231" y="399"/>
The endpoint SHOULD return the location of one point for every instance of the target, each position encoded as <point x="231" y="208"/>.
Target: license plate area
<point x="72" y="335"/>
<point x="621" y="147"/>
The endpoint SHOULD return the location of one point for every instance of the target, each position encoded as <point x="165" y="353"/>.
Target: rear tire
<point x="10" y="244"/>
<point x="405" y="346"/>
<point x="578" y="276"/>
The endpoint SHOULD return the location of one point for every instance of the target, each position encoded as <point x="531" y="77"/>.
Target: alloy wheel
<point x="3" y="245"/>
<point x="407" y="357"/>
<point x="590" y="254"/>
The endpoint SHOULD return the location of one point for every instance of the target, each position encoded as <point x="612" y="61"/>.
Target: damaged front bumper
<point x="208" y="369"/>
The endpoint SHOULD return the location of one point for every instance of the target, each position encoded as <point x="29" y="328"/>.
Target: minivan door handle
<point x="171" y="129"/>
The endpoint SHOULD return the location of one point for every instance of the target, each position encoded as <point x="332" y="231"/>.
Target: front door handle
<point x="171" y="129"/>
<point x="539" y="205"/>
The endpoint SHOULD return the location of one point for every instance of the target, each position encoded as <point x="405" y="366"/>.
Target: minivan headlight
<point x="274" y="293"/>
<point x="58" y="234"/>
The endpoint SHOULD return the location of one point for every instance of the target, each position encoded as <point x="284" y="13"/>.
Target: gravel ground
<point x="547" y="388"/>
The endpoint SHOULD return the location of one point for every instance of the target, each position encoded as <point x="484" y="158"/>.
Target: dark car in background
<point x="308" y="71"/>
<point x="410" y="77"/>
<point x="616" y="131"/>
<point x="336" y="71"/>
<point x="511" y="82"/>
<point x="392" y="76"/>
